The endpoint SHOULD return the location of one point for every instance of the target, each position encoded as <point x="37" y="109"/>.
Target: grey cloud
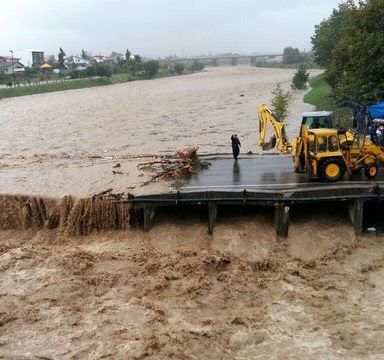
<point x="158" y="28"/>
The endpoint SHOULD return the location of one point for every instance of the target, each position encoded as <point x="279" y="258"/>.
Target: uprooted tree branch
<point x="184" y="162"/>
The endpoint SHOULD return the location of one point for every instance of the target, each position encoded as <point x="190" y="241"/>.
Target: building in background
<point x="8" y="58"/>
<point x="77" y="63"/>
<point x="100" y="58"/>
<point x="30" y="57"/>
<point x="9" y="67"/>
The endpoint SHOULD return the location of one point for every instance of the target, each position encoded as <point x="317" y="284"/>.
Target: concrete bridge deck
<point x="266" y="180"/>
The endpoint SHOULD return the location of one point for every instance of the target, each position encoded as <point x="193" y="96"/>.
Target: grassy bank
<point x="320" y="94"/>
<point x="51" y="87"/>
<point x="62" y="85"/>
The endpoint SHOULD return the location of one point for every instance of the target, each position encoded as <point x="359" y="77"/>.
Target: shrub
<point x="99" y="69"/>
<point x="280" y="102"/>
<point x="75" y="74"/>
<point x="179" y="68"/>
<point x="151" y="68"/>
<point x="300" y="79"/>
<point x="196" y="66"/>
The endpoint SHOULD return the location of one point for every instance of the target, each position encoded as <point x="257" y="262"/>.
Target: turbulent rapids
<point x="70" y="215"/>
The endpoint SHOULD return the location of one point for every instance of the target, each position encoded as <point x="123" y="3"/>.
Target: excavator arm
<point x="279" y="138"/>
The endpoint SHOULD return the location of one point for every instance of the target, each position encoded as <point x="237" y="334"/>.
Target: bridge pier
<point x="212" y="216"/>
<point x="356" y="213"/>
<point x="253" y="60"/>
<point x="214" y="62"/>
<point x="149" y="216"/>
<point x="234" y="61"/>
<point x="282" y="219"/>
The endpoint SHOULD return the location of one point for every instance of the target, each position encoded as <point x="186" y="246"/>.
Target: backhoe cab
<point x="317" y="120"/>
<point x="323" y="153"/>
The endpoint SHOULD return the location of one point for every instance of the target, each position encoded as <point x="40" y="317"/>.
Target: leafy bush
<point x="196" y="66"/>
<point x="76" y="74"/>
<point x="103" y="70"/>
<point x="4" y="78"/>
<point x="280" y="102"/>
<point x="179" y="68"/>
<point x="151" y="68"/>
<point x="300" y="79"/>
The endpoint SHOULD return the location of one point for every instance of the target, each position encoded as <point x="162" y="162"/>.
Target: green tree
<point x="280" y="102"/>
<point x="300" y="79"/>
<point x="292" y="56"/>
<point x="179" y="68"/>
<point x="135" y="64"/>
<point x="356" y="71"/>
<point x="151" y="68"/>
<point x="4" y="78"/>
<point x="61" y="57"/>
<point x="84" y="55"/>
<point x="329" y="32"/>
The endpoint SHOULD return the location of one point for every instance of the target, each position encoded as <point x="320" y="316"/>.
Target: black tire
<point x="371" y="171"/>
<point x="331" y="163"/>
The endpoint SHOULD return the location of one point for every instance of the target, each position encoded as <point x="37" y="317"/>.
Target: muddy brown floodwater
<point x="67" y="142"/>
<point x="70" y="290"/>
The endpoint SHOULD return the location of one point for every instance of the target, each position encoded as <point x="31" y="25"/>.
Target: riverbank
<point x="319" y="94"/>
<point x="73" y="84"/>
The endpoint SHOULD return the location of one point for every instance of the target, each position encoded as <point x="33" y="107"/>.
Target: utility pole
<point x="13" y="69"/>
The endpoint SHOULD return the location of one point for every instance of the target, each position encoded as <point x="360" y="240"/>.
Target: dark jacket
<point x="235" y="142"/>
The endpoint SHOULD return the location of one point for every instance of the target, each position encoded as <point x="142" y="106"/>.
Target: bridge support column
<point x="134" y="217"/>
<point x="234" y="61"/>
<point x="214" y="62"/>
<point x="149" y="215"/>
<point x="253" y="60"/>
<point x="212" y="215"/>
<point x="282" y="219"/>
<point x="356" y="213"/>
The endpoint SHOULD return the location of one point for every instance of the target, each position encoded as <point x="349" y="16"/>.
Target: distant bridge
<point x="214" y="60"/>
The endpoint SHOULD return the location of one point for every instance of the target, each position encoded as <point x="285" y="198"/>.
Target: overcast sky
<point x="160" y="27"/>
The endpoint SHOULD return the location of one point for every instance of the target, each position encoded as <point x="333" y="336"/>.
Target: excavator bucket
<point x="270" y="144"/>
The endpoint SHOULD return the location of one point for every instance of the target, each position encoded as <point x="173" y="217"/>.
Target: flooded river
<point x="68" y="292"/>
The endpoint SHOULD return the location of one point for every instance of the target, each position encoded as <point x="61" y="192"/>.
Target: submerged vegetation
<point x="185" y="162"/>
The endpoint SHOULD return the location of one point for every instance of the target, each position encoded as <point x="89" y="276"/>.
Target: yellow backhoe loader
<point x="323" y="153"/>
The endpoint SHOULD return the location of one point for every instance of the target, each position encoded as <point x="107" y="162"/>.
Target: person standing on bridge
<point x="235" y="146"/>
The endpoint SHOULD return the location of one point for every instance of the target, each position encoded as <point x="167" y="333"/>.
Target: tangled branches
<point x="185" y="162"/>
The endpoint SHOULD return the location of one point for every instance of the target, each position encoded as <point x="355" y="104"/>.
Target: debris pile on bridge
<point x="184" y="162"/>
